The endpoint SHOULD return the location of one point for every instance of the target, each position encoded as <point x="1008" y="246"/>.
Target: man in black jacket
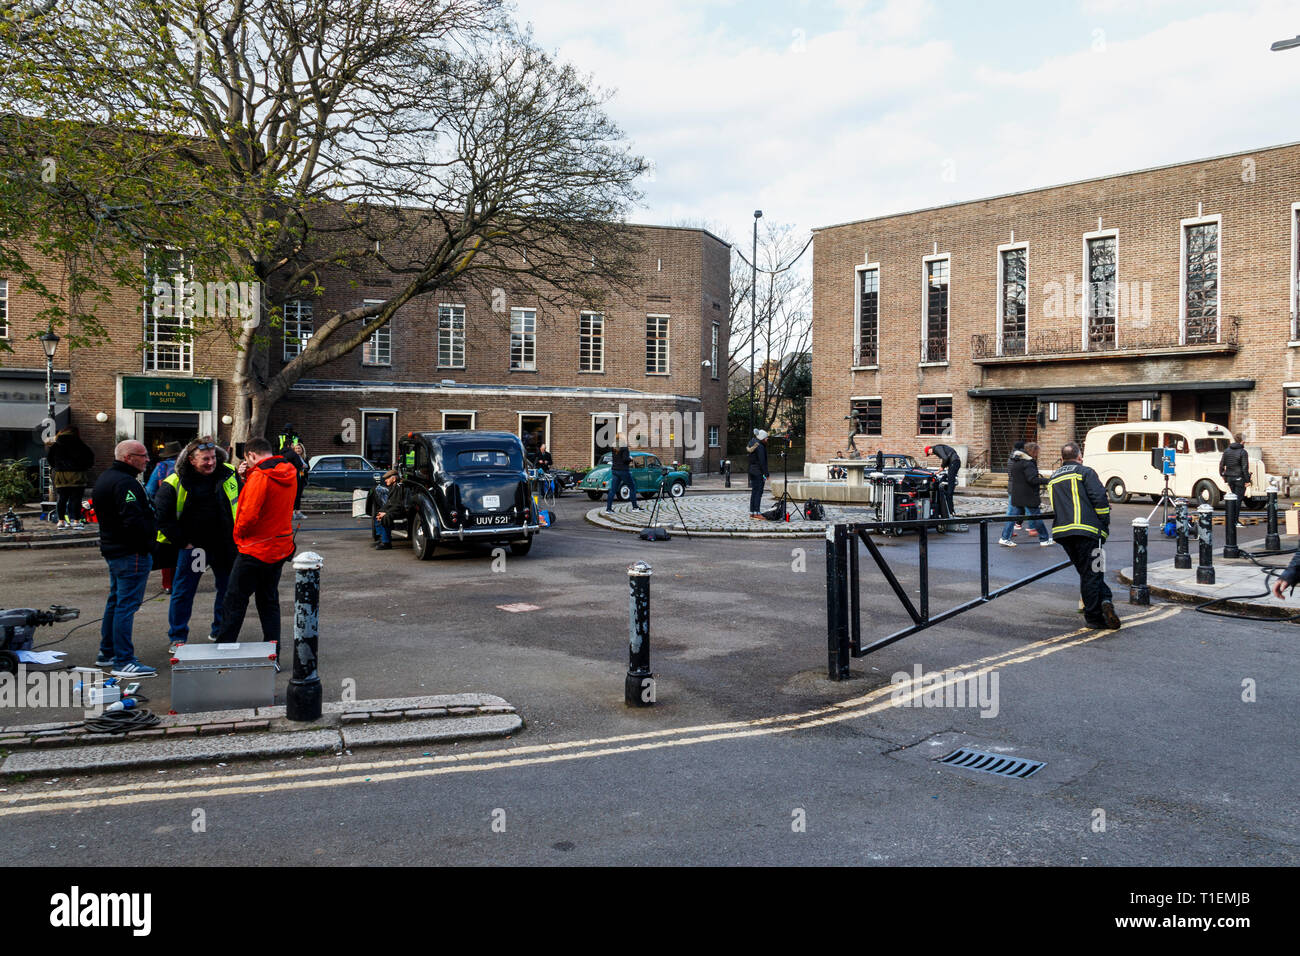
<point x="196" y="514"/>
<point x="1081" y="526"/>
<point x="950" y="461"/>
<point x="620" y="473"/>
<point x="127" y="528"/>
<point x="757" y="471"/>
<point x="1023" y="481"/>
<point x="1234" y="467"/>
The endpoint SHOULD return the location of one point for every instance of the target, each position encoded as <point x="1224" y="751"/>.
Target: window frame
<point x="858" y="273"/>
<point x="1286" y="432"/>
<point x="1183" y="226"/>
<point x="1086" y="318"/>
<point x="184" y="342"/>
<point x="715" y="344"/>
<point x="948" y="396"/>
<point x="4" y="308"/>
<point x="1002" y="250"/>
<point x="450" y="308"/>
<point x="1295" y="265"/>
<point x="598" y="339"/>
<point x="666" y="339"/>
<point x="926" y="264"/>
<point x="715" y="436"/>
<point x="880" y="402"/>
<point x="301" y="339"/>
<point x="371" y="345"/>
<point x="526" y="339"/>
<point x="472" y="413"/>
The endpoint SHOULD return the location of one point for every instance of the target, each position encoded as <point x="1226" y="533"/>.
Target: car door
<point x="647" y="480"/>
<point x="328" y="473"/>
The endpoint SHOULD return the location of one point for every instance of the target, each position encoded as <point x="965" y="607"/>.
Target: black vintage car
<point x="464" y="487"/>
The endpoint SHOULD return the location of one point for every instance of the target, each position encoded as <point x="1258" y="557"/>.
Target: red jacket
<point x="264" y="517"/>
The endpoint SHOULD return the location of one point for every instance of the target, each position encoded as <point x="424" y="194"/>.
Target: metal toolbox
<point x="223" y="677"/>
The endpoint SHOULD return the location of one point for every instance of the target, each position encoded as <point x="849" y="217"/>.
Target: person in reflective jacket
<point x="1081" y="526"/>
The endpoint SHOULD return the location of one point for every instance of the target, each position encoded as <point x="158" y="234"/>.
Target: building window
<point x="934" y="415"/>
<point x="1014" y="302"/>
<point x="1291" y="411"/>
<point x="591" y="342"/>
<point x="1295" y="271"/>
<point x="4" y="309"/>
<point x="523" y="340"/>
<point x="656" y="345"/>
<point x="1100" y="298"/>
<point x="936" y="311"/>
<point x="713" y="350"/>
<point x="451" y="336"/>
<point x="1201" y="283"/>
<point x="298" y="326"/>
<point x="713" y="436"/>
<point x="168" y="344"/>
<point x="866" y="416"/>
<point x="868" y="338"/>
<point x="378" y="349"/>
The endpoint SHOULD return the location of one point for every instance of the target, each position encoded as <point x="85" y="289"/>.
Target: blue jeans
<point x="185" y="583"/>
<point x="381" y="532"/>
<point x="616" y="480"/>
<point x="1034" y="525"/>
<point x="127" y="579"/>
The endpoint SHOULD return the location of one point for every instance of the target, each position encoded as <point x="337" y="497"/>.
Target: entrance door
<point x="378" y="430"/>
<point x="1213" y="407"/>
<point x="1012" y="419"/>
<point x="159" y="428"/>
<point x="535" y="431"/>
<point x="604" y="432"/>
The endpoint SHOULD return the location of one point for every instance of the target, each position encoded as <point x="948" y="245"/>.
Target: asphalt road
<point x="1151" y="754"/>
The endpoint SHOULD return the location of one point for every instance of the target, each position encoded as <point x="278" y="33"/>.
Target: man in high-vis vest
<point x="1081" y="525"/>
<point x="196" y="513"/>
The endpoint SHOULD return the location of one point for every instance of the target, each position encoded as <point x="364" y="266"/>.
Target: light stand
<point x="785" y="500"/>
<point x="659" y="499"/>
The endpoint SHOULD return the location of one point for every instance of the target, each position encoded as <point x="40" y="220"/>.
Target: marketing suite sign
<point x="167" y="395"/>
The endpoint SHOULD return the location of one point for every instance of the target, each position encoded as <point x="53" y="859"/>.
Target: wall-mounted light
<point x="1053" y="413"/>
<point x="227" y="420"/>
<point x="1146" y="409"/>
<point x="101" y="417"/>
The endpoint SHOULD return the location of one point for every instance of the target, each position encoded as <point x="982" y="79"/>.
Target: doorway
<point x="378" y="429"/>
<point x="1012" y="419"/>
<point x="604" y="432"/>
<point x="1213" y="407"/>
<point x="535" y="431"/>
<point x="160" y="428"/>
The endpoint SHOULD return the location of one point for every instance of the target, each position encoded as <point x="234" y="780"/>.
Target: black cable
<point x="37" y="647"/>
<point x="121" y="721"/>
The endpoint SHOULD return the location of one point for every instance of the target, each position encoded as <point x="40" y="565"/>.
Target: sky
<point x="827" y="111"/>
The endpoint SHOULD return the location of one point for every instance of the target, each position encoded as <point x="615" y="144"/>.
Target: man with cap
<point x="757" y="471"/>
<point x="383" y="523"/>
<point x="951" y="464"/>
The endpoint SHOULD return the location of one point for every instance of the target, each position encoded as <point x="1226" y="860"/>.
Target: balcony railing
<point x="936" y="349"/>
<point x="1102" y="339"/>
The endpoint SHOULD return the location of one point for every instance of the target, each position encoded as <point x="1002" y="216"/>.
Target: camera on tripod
<point x="1162" y="460"/>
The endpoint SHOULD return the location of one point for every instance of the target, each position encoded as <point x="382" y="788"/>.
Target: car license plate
<point x="491" y="519"/>
<point x="491" y="501"/>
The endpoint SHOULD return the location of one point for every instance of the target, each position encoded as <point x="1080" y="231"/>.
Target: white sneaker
<point x="1047" y="543"/>
<point x="1006" y="543"/>
<point x="60" y="526"/>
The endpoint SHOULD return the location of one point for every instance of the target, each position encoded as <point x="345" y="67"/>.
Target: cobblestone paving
<point x="728" y="515"/>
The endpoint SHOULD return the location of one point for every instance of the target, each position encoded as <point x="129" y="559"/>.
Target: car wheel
<point x="421" y="539"/>
<point x="1117" y="491"/>
<point x="624" y="493"/>
<point x="1206" y="493"/>
<point x="677" y="489"/>
<point x="520" y="548"/>
<point x="594" y="495"/>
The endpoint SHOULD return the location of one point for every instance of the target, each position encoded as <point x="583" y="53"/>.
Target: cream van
<point x="1121" y="456"/>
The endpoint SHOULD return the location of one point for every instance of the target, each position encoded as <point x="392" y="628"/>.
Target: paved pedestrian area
<point x="727" y="515"/>
<point x="1239" y="584"/>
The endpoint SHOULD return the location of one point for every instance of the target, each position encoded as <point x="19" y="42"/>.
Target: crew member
<point x="1081" y="526"/>
<point x="1234" y="467"/>
<point x="757" y="471"/>
<point x="950" y="461"/>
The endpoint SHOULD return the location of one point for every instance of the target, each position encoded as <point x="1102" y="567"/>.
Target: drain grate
<point x="999" y="764"/>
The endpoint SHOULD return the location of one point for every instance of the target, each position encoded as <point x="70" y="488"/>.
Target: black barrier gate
<point x="843" y="613"/>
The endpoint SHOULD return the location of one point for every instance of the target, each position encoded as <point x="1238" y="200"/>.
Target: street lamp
<point x="753" y="321"/>
<point x="49" y="342"/>
<point x="1290" y="44"/>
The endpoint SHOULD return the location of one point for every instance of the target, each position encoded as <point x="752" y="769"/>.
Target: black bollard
<point x="302" y="700"/>
<point x="1271" y="541"/>
<point x="1138" y="592"/>
<point x="1205" y="532"/>
<point x="1182" y="556"/>
<point x="1231" y="512"/>
<point x="638" y="687"/>
<point x="726" y="471"/>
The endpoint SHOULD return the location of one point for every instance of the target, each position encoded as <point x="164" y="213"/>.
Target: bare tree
<point x="280" y="141"/>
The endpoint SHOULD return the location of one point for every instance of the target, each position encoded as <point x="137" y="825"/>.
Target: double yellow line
<point x="382" y="771"/>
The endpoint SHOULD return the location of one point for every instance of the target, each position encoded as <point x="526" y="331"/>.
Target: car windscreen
<point x="471" y="459"/>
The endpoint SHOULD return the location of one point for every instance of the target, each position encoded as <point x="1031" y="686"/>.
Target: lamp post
<point x="753" y="321"/>
<point x="49" y="342"/>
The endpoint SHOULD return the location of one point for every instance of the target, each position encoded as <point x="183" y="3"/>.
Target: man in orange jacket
<point x="264" y="538"/>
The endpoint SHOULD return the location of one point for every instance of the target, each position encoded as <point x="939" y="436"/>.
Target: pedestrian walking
<point x="1234" y="468"/>
<point x="1018" y="446"/>
<point x="757" y="450"/>
<point x="166" y="466"/>
<point x="196" y="508"/>
<point x="1024" y="482"/>
<point x="70" y="461"/>
<point x="127" y="531"/>
<point x="263" y="534"/>
<point x="387" y="506"/>
<point x="950" y="461"/>
<point x="620" y="473"/>
<point x="1082" y="523"/>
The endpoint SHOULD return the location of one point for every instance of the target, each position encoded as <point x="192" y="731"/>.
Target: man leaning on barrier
<point x="1081" y="526"/>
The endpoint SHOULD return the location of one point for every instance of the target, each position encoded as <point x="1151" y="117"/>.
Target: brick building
<point x="1163" y="294"/>
<point x="509" y="362"/>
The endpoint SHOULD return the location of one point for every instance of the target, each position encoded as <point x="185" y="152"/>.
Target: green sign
<point x="167" y="394"/>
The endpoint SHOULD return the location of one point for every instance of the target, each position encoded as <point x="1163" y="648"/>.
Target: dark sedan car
<point x="342" y="472"/>
<point x="464" y="487"/>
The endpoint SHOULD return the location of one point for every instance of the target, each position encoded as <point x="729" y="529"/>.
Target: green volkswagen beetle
<point x="647" y="471"/>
